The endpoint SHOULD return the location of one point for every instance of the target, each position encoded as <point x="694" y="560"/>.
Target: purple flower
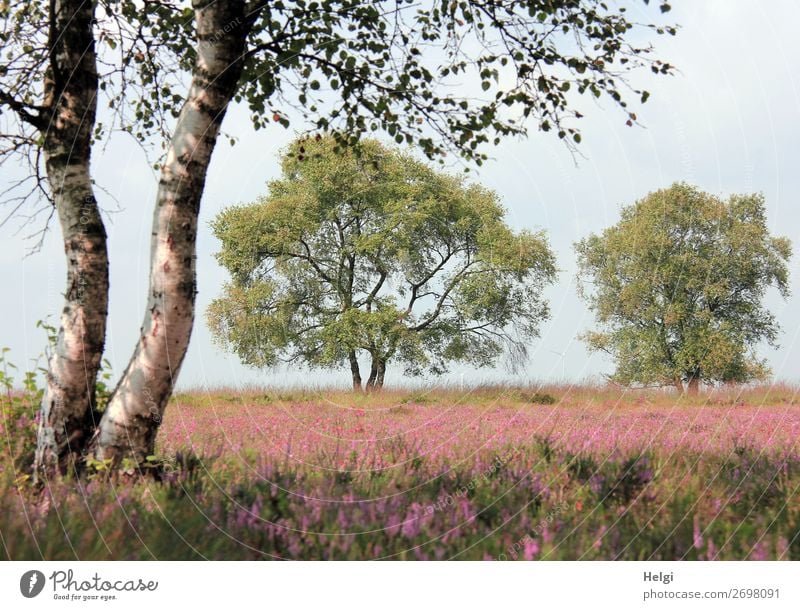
<point x="530" y="550"/>
<point x="697" y="535"/>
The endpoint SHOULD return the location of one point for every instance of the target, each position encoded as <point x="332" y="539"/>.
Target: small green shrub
<point x="538" y="398"/>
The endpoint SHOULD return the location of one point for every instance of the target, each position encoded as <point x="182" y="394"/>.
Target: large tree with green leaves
<point x="367" y="250"/>
<point x="447" y="76"/>
<point x="679" y="284"/>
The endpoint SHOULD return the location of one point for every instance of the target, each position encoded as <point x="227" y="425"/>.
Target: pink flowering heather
<point x="598" y="474"/>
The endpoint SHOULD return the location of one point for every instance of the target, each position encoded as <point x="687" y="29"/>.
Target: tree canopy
<point x="353" y="67"/>
<point x="678" y="286"/>
<point x="369" y="251"/>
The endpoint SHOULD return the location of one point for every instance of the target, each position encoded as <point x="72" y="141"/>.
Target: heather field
<point x="491" y="473"/>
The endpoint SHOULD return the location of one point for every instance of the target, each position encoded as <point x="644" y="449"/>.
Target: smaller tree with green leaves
<point x="368" y="251"/>
<point x="678" y="285"/>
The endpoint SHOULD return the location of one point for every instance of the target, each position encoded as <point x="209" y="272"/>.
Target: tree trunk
<point x="129" y="425"/>
<point x="373" y="373"/>
<point x="67" y="409"/>
<point x="355" y="371"/>
<point x="381" y="373"/>
<point x="678" y="383"/>
<point x="693" y="388"/>
<point x="377" y="373"/>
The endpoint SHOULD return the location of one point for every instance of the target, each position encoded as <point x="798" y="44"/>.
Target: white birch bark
<point x="70" y="103"/>
<point x="131" y="420"/>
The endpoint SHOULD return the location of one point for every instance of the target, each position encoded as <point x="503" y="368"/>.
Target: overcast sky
<point x="728" y="122"/>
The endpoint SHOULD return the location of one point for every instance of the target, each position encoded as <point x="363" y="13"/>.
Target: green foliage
<point x="20" y="401"/>
<point x="17" y="414"/>
<point x="398" y="67"/>
<point x="367" y="249"/>
<point x="353" y="67"/>
<point x="103" y="386"/>
<point x="678" y="286"/>
<point x="538" y="398"/>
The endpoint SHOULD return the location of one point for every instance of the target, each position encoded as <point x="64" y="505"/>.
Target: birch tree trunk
<point x="130" y="422"/>
<point x="70" y="104"/>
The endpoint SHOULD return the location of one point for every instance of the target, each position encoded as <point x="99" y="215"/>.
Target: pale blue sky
<point x="728" y="122"/>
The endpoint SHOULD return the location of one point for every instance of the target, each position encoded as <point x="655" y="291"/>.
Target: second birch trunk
<point x="135" y="410"/>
